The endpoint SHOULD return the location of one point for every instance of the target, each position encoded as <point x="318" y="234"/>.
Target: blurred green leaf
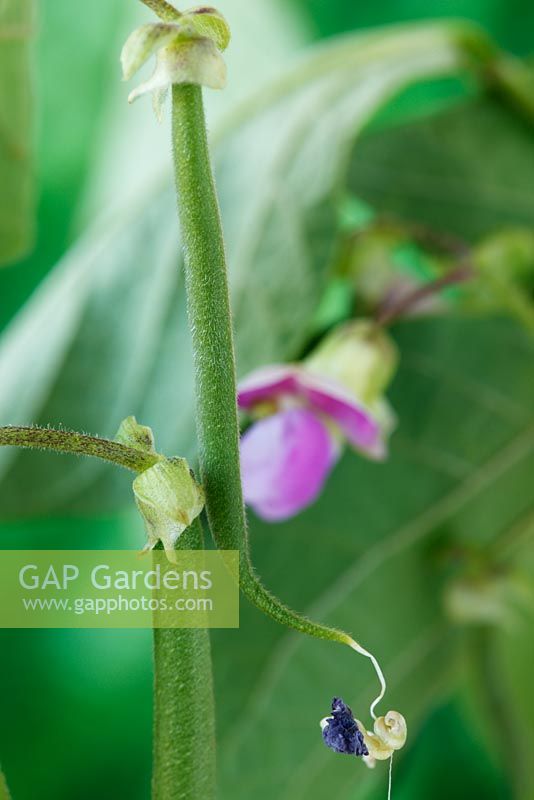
<point x="465" y="171"/>
<point x="75" y="74"/>
<point x="511" y="21"/>
<point x="16" y="165"/>
<point x="366" y="558"/>
<point x="498" y="690"/>
<point x="4" y="793"/>
<point x="106" y="336"/>
<point x="447" y="180"/>
<point x="513" y="658"/>
<point x="106" y="333"/>
<point x="462" y="769"/>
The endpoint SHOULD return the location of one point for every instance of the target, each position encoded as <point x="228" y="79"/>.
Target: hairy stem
<point x="165" y="11"/>
<point x="213" y="346"/>
<point x="77" y="444"/>
<point x="184" y="708"/>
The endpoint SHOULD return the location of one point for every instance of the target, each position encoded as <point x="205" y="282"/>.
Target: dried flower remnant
<point x="341" y="732"/>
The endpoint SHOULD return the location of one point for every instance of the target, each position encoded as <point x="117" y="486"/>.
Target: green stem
<point x="213" y="347"/>
<point x="77" y="444"/>
<point x="184" y="708"/>
<point x="165" y="11"/>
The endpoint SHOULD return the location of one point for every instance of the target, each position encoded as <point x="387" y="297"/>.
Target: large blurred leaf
<point x="16" y="167"/>
<point x="512" y="653"/>
<point x="75" y="72"/>
<point x="466" y="171"/>
<point x="462" y="769"/>
<point x="106" y="336"/>
<point x="509" y="20"/>
<point x="368" y="558"/>
<point x="501" y="654"/>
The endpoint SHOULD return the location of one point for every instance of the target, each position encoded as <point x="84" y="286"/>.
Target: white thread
<point x="390" y="775"/>
<point x="362" y="651"/>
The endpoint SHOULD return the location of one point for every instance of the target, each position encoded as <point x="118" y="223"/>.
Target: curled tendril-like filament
<point x="343" y="733"/>
<point x="362" y="651"/>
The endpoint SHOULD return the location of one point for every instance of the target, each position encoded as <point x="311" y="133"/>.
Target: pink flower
<point x="286" y="459"/>
<point x="303" y="415"/>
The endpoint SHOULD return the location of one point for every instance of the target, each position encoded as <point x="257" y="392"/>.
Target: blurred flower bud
<point x="490" y="599"/>
<point x="507" y="254"/>
<point x="359" y="355"/>
<point x="504" y="275"/>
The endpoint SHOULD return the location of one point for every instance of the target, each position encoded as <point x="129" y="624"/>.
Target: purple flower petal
<point x="285" y="460"/>
<point x="319" y="393"/>
<point x="357" y="423"/>
<point x="266" y="383"/>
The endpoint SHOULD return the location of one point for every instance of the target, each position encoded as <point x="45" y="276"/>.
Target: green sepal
<point x="143" y="43"/>
<point x="194" y="61"/>
<point x="208" y="23"/>
<point x="166" y="493"/>
<point x="187" y="50"/>
<point x="169" y="499"/>
<point x="360" y="355"/>
<point x="132" y="434"/>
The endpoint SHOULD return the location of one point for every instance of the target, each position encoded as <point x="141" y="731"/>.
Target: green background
<point x="75" y="715"/>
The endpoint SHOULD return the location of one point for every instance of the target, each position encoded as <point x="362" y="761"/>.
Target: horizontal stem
<point x="78" y="444"/>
